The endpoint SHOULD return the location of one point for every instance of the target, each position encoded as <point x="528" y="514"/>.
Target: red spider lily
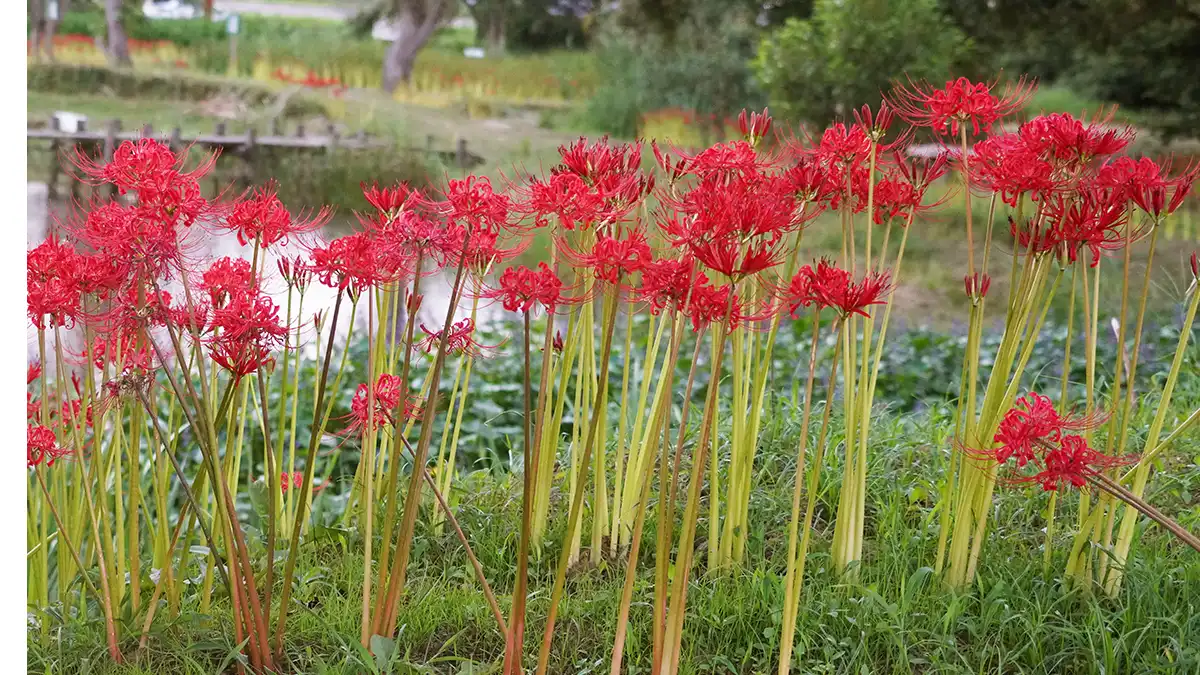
<point x="138" y="164"/>
<point x="1090" y="219"/>
<point x="295" y="480"/>
<point x="387" y="397"/>
<point x="611" y="257"/>
<point x="665" y="283"/>
<point x="557" y="343"/>
<point x="850" y="184"/>
<point x="52" y="283"/>
<point x="958" y="103"/>
<point x="143" y="246"/>
<point x="33" y="409"/>
<point x="1073" y="462"/>
<point x="152" y="170"/>
<point x="613" y="175"/>
<point x="830" y="286"/>
<point x="977" y="285"/>
<point x="482" y="250"/>
<point x="123" y="351"/>
<point x="1130" y="176"/>
<point x="843" y="145"/>
<point x="919" y="173"/>
<point x="1066" y="141"/>
<point x="295" y="272"/>
<point x="565" y="196"/>
<point x="460" y="340"/>
<point x="736" y="261"/>
<point x="1195" y="263"/>
<point x="245" y="333"/>
<point x="262" y="219"/>
<point x="42" y="447"/>
<point x="874" y="126"/>
<point x="398" y="242"/>
<point x="1161" y="198"/>
<point x="520" y="288"/>
<point x="353" y="263"/>
<point x="71" y="410"/>
<point x="733" y="157"/>
<point x="227" y="277"/>
<point x="711" y="304"/>
<point x="1006" y="166"/>
<point x="1030" y="423"/>
<point x="754" y="126"/>
<point x="389" y="201"/>
<point x="136" y="309"/>
<point x="474" y="203"/>
<point x="35" y="369"/>
<point x="895" y="198"/>
<point x="675" y="168"/>
<point x="600" y="164"/>
<point x="810" y="181"/>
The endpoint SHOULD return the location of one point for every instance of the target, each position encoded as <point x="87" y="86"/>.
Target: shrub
<point x="818" y="69"/>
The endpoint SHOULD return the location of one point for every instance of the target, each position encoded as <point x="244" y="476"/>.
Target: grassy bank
<point x="1019" y="618"/>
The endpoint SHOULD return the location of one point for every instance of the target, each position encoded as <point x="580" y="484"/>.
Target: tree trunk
<point x="41" y="31"/>
<point x="208" y="9"/>
<point x="415" y="24"/>
<point x="495" y="27"/>
<point x="118" y="44"/>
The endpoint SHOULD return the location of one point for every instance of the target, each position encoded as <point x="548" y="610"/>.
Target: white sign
<point x="52" y="10"/>
<point x="474" y="52"/>
<point x="232" y="24"/>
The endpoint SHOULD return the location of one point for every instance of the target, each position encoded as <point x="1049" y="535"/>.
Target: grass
<point x="191" y="117"/>
<point x="1056" y="98"/>
<point x="896" y="619"/>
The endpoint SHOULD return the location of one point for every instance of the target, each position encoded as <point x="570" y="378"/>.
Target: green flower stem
<point x="658" y="430"/>
<point x="1141" y="473"/>
<point x="573" y="517"/>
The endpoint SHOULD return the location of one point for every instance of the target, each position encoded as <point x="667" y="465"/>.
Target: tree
<point x="1140" y="55"/>
<point x="44" y="16"/>
<point x="818" y="69"/>
<point x="414" y="23"/>
<point x="117" y="44"/>
<point x="700" y="64"/>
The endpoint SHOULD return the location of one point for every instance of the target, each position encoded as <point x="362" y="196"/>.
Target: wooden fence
<point x="300" y="140"/>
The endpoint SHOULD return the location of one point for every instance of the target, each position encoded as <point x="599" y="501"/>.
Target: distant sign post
<point x="52" y="10"/>
<point x="232" y="27"/>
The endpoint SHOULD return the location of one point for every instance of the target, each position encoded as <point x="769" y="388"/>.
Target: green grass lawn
<point x="1019" y="617"/>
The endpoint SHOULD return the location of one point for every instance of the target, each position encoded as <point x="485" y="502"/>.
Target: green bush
<point x="705" y="68"/>
<point x="815" y="70"/>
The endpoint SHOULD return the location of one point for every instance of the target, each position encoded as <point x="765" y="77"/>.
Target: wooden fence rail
<point x="330" y="141"/>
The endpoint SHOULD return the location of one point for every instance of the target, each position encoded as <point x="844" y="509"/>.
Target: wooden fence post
<point x="460" y="154"/>
<point x="333" y="138"/>
<point x="176" y="140"/>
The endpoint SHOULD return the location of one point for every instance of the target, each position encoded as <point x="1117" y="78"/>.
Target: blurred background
<point x="324" y="94"/>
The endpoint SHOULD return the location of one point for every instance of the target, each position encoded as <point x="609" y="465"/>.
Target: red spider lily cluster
<point x="1033" y="433"/>
<point x="42" y="447"/>
<point x="710" y="240"/>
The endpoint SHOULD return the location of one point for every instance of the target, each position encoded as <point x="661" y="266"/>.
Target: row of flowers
<point x="708" y="244"/>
